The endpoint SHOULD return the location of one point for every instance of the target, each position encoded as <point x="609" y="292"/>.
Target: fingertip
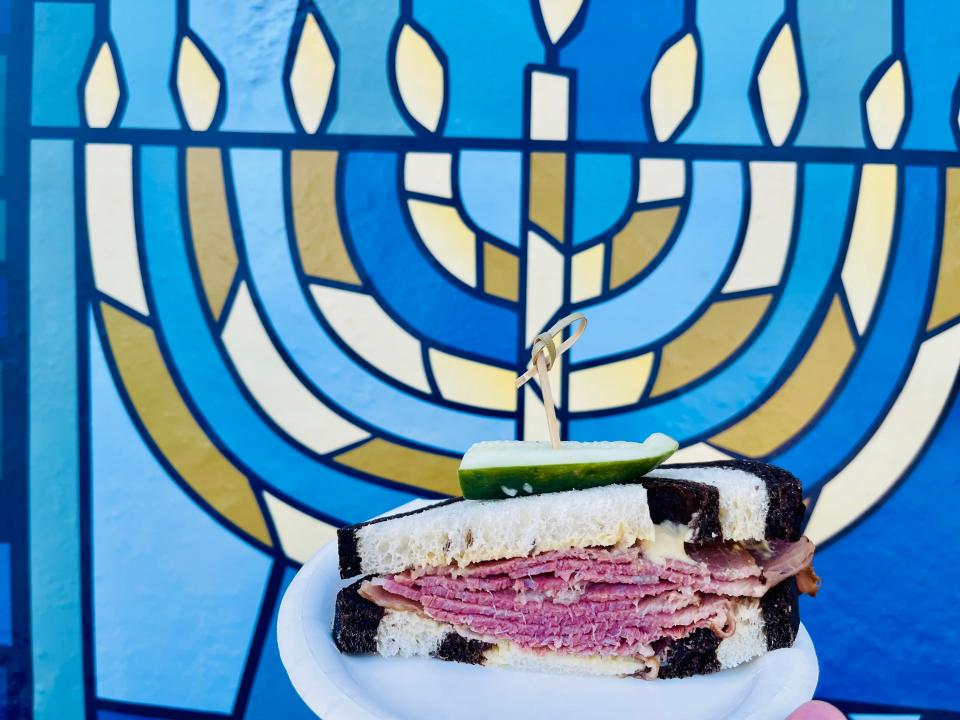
<point x="817" y="710"/>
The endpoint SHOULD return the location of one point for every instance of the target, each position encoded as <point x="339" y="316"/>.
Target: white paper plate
<point x="342" y="687"/>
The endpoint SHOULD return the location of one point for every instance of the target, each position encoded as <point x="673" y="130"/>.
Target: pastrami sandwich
<point x="687" y="570"/>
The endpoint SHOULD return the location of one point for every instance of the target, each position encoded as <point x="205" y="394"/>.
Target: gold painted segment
<point x="946" y="300"/>
<point x="548" y="180"/>
<point x="417" y="468"/>
<point x="801" y="397"/>
<point x="501" y="273"/>
<point x="210" y="225"/>
<point x="611" y="385"/>
<point x="639" y="242"/>
<point x="313" y="190"/>
<point x="173" y="428"/>
<point x="474" y="383"/>
<point x="714" y="337"/>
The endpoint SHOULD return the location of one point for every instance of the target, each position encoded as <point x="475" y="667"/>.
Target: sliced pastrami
<point x="600" y="592"/>
<point x="598" y="635"/>
<point x="514" y="609"/>
<point x="376" y="593"/>
<point x="593" y="601"/>
<point x="726" y="562"/>
<point x="786" y="559"/>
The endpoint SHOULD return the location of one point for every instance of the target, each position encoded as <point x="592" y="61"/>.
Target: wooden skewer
<point x="544" y="378"/>
<point x="542" y="356"/>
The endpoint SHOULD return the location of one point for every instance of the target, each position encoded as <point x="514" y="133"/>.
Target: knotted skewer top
<point x="543" y="354"/>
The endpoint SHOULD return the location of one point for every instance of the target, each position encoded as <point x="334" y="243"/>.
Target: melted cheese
<point x="668" y="543"/>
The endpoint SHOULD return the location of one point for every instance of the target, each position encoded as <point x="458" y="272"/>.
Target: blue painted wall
<point x="222" y="335"/>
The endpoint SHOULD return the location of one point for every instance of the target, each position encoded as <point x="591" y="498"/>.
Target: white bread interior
<point x="478" y="530"/>
<point x="744" y="500"/>
<point x="749" y="640"/>
<point x="408" y="634"/>
<point x="506" y="654"/>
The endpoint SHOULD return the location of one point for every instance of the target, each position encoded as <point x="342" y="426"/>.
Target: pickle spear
<point x="511" y="468"/>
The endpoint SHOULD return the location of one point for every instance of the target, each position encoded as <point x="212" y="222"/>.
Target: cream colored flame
<point x="311" y="78"/>
<point x="197" y="85"/>
<point x="420" y="78"/>
<point x="886" y="107"/>
<point x="558" y="15"/>
<point x="672" y="87"/>
<point x="101" y="94"/>
<point x="779" y="87"/>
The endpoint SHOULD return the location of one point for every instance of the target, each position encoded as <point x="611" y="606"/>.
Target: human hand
<point x="817" y="710"/>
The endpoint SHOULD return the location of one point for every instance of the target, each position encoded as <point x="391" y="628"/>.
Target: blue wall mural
<point x="268" y="268"/>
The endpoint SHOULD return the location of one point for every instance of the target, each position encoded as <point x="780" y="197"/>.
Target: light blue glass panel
<point x="62" y="33"/>
<point x="362" y="31"/>
<point x="176" y="594"/>
<point x="3" y="112"/>
<point x="613" y="56"/>
<point x="272" y="696"/>
<point x="841" y="43"/>
<point x="603" y="188"/>
<point x="3" y="229"/>
<point x="55" y="602"/>
<point x="487" y="43"/>
<point x="932" y="47"/>
<point x="490" y="185"/>
<point x="6" y="601"/>
<point x="145" y="32"/>
<point x="731" y="33"/>
<point x="250" y="40"/>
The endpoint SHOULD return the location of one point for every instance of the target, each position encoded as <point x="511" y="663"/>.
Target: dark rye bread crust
<point x="780" y="609"/>
<point x="785" y="516"/>
<point x="357" y="620"/>
<point x="456" y="648"/>
<point x="686" y="503"/>
<point x="350" y="560"/>
<point x="696" y="654"/>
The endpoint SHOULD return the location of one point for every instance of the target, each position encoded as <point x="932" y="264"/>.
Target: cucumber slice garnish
<point x="510" y="468"/>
